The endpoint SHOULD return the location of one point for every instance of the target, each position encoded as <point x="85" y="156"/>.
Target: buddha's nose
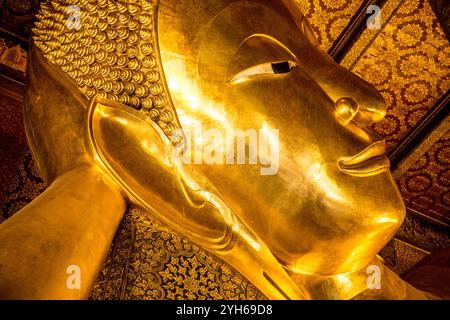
<point x="339" y="82"/>
<point x="372" y="107"/>
<point x="356" y="118"/>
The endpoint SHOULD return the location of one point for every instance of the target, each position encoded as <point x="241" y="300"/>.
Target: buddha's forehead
<point x="210" y="32"/>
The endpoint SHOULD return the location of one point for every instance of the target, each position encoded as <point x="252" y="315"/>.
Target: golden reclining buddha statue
<point x="222" y="119"/>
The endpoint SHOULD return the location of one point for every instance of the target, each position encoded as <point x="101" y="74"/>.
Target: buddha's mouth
<point x="369" y="162"/>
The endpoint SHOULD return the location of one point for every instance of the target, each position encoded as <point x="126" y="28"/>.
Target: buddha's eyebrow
<point x="270" y="39"/>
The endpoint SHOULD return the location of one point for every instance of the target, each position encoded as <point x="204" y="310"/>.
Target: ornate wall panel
<point x="149" y="262"/>
<point x="422" y="148"/>
<point x="369" y="35"/>
<point x="12" y="135"/>
<point x="409" y="63"/>
<point x="328" y="17"/>
<point x="401" y="256"/>
<point x="24" y="187"/>
<point x="421" y="233"/>
<point x="426" y="185"/>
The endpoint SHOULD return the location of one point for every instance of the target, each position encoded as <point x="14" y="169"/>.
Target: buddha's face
<point x="332" y="204"/>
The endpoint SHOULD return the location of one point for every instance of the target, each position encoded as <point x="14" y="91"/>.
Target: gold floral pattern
<point x="426" y="185"/>
<point x="147" y="261"/>
<point x="12" y="140"/>
<point x="328" y="18"/>
<point x="24" y="187"/>
<point x="408" y="61"/>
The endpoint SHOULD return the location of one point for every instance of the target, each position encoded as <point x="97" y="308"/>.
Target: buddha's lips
<point x="368" y="162"/>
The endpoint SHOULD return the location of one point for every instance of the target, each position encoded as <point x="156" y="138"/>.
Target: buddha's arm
<point x="71" y="224"/>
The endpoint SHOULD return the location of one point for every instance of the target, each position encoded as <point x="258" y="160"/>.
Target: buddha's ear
<point x="115" y="131"/>
<point x="135" y="153"/>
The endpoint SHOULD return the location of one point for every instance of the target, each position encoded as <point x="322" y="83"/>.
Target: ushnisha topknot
<point x="108" y="48"/>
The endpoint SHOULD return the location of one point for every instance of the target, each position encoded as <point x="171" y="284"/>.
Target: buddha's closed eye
<point x="265" y="68"/>
<point x="261" y="55"/>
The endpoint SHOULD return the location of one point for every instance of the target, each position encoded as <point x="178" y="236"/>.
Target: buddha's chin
<point x="336" y="257"/>
<point x="343" y="265"/>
